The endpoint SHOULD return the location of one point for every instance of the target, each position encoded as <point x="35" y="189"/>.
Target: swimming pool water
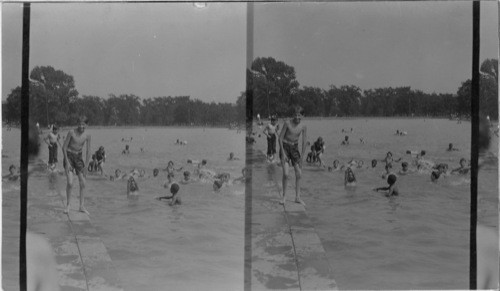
<point x="419" y="240"/>
<point x="195" y="246"/>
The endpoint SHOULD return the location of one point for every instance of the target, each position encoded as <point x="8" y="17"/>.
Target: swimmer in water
<point x="241" y="179"/>
<point x="335" y="166"/>
<point x="13" y="174"/>
<point x="438" y="172"/>
<point x="388" y="171"/>
<point x="132" y="187"/>
<point x="392" y="189"/>
<point x="170" y="180"/>
<point x="155" y="172"/>
<point x="389" y="159"/>
<point x="319" y="149"/>
<point x="174" y="190"/>
<point x="126" y="151"/>
<point x="374" y="163"/>
<point x="187" y="177"/>
<point x="463" y="169"/>
<point x="170" y="168"/>
<point x="349" y="178"/>
<point x="404" y="169"/>
<point x="345" y="141"/>
<point x="232" y="157"/>
<point x="451" y="148"/>
<point x="217" y="185"/>
<point x="310" y="156"/>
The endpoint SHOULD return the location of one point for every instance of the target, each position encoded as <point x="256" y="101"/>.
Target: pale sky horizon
<point x="174" y="49"/>
<point x="426" y="45"/>
<point x="145" y="49"/>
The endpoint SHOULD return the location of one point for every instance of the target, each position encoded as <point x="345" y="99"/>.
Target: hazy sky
<point x="146" y="49"/>
<point x="168" y="49"/>
<point x="425" y="44"/>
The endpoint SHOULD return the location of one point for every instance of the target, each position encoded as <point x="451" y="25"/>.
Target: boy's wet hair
<point x="391" y="179"/>
<point x="187" y="173"/>
<point x="174" y="188"/>
<point x="404" y="164"/>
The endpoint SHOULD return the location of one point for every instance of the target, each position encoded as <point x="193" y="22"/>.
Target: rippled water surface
<point x="419" y="240"/>
<point x="195" y="246"/>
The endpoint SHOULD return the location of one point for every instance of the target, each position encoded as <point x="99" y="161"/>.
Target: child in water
<point x="463" y="169"/>
<point x="132" y="187"/>
<point x="404" y="169"/>
<point x="187" y="177"/>
<point x="392" y="189"/>
<point x="451" y="148"/>
<point x="349" y="178"/>
<point x="174" y="190"/>
<point x="439" y="170"/>
<point x="13" y="174"/>
<point x="388" y="171"/>
<point x="170" y="168"/>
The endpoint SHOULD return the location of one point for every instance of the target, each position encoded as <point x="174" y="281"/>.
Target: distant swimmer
<point x="156" y="172"/>
<point x="289" y="152"/>
<point x="73" y="160"/>
<point x="100" y="156"/>
<point x="392" y="189"/>
<point x="319" y="149"/>
<point x="132" y="187"/>
<point x="241" y="179"/>
<point x="388" y="171"/>
<point x="170" y="167"/>
<point x="310" y="155"/>
<point x="345" y="141"/>
<point x="175" y="197"/>
<point x="170" y="180"/>
<point x="270" y="132"/>
<point x="374" y="163"/>
<point x="451" y="148"/>
<point x="335" y="166"/>
<point x="463" y="169"/>
<point x="349" y="177"/>
<point x="217" y="185"/>
<point x="52" y="141"/>
<point x="404" y="169"/>
<point x="362" y="140"/>
<point x="389" y="158"/>
<point x="232" y="157"/>
<point x="187" y="177"/>
<point x="126" y="151"/>
<point x="439" y="171"/>
<point x="13" y="174"/>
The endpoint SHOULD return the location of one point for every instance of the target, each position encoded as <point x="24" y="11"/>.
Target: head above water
<point x="174" y="188"/>
<point x="389" y="154"/>
<point x="217" y="185"/>
<point x="391" y="179"/>
<point x="203" y="162"/>
<point x="155" y="172"/>
<point x="170" y="163"/>
<point x="374" y="163"/>
<point x="450" y="146"/>
<point x="463" y="162"/>
<point x="404" y="165"/>
<point x="12" y="168"/>
<point x="117" y="173"/>
<point x="336" y="163"/>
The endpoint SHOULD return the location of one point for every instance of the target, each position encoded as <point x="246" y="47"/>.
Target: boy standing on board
<point x="289" y="151"/>
<point x="73" y="160"/>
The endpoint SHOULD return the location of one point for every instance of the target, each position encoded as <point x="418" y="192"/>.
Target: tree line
<point x="54" y="100"/>
<point x="276" y="90"/>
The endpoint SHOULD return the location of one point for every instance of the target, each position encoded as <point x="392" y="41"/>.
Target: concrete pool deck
<point x="82" y="260"/>
<point x="286" y="250"/>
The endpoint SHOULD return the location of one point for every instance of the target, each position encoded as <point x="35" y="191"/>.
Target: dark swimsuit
<point x="292" y="153"/>
<point x="75" y="162"/>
